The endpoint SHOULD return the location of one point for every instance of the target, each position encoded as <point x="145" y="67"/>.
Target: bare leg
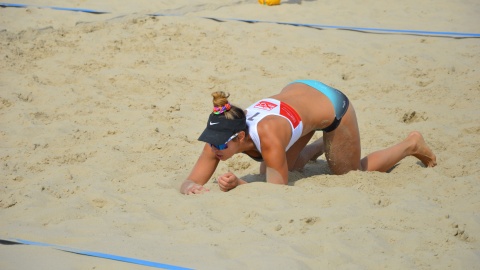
<point x="342" y="149"/>
<point x="413" y="145"/>
<point x="309" y="152"/>
<point x="300" y="153"/>
<point x="342" y="146"/>
<point x="316" y="149"/>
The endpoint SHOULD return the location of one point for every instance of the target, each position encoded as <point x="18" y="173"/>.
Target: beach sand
<point x="100" y="115"/>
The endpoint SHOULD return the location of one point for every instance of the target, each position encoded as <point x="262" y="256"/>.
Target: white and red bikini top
<point x="270" y="106"/>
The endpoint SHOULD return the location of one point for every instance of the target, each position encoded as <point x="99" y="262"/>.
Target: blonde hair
<point x="220" y="100"/>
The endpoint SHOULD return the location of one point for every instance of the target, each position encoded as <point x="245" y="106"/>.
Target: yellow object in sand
<point x="269" y="2"/>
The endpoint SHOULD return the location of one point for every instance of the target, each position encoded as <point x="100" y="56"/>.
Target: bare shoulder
<point x="274" y="131"/>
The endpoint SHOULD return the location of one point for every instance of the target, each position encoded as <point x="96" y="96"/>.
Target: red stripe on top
<point x="290" y="114"/>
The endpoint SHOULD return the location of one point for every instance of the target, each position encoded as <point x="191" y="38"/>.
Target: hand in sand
<point x="227" y="181"/>
<point x="190" y="187"/>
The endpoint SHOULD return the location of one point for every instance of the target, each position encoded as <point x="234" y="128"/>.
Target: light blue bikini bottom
<point x="339" y="100"/>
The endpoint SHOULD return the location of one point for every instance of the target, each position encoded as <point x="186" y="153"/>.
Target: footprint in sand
<point x="460" y="233"/>
<point x="414" y="116"/>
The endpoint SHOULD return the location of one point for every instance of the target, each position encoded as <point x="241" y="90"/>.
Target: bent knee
<point x="342" y="171"/>
<point x="343" y="168"/>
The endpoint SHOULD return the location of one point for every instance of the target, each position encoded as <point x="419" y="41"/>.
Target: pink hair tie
<point x="221" y="109"/>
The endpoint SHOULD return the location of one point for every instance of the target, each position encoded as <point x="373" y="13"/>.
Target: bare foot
<point x="421" y="150"/>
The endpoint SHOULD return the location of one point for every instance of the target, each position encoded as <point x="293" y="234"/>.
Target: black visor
<point x="219" y="129"/>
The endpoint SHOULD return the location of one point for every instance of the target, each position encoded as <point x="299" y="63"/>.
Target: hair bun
<point x="220" y="102"/>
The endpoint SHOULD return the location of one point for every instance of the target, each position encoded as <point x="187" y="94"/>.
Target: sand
<point x="100" y="115"/>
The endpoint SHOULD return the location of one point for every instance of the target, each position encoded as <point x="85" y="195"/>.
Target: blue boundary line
<point x="366" y="29"/>
<point x="97" y="254"/>
<point x="6" y="5"/>
<point x="317" y="26"/>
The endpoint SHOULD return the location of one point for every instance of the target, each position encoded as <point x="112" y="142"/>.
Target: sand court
<point x="100" y="115"/>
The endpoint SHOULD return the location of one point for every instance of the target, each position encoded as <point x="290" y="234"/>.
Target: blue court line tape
<point x="5" y="5"/>
<point x="317" y="26"/>
<point x="96" y="254"/>
<point x="361" y="29"/>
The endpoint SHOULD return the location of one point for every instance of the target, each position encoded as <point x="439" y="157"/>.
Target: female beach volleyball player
<point x="275" y="131"/>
